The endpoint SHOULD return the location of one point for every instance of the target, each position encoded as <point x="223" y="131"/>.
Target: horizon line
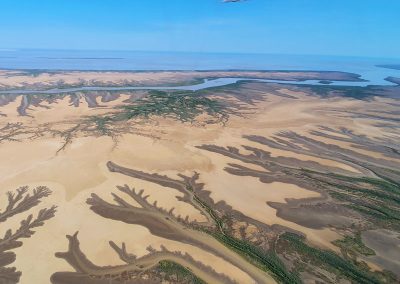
<point x="12" y="49"/>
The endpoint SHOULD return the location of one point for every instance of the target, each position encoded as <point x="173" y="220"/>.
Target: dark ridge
<point x="390" y="66"/>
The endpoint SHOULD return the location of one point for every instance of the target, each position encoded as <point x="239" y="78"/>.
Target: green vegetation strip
<point x="379" y="199"/>
<point x="267" y="262"/>
<point x="346" y="268"/>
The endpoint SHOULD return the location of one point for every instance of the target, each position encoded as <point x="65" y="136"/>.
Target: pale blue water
<point x="134" y="60"/>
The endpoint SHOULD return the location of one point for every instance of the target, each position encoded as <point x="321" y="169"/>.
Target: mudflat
<point x="244" y="183"/>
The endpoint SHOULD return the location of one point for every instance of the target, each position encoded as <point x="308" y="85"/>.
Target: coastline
<point x="43" y="81"/>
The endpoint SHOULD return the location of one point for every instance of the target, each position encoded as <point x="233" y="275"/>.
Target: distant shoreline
<point x="394" y="80"/>
<point x="351" y="77"/>
<point x="390" y="66"/>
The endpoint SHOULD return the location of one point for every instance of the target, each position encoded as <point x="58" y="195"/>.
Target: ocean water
<point x="137" y="61"/>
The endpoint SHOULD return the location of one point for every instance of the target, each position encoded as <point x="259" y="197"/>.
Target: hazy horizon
<point x="298" y="27"/>
<point x="14" y="49"/>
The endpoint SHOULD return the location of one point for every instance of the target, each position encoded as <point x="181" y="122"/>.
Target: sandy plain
<point x="80" y="169"/>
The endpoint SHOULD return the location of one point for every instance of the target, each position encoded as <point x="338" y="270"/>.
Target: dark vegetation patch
<point x="182" y="106"/>
<point x="352" y="245"/>
<point x="267" y="261"/>
<point x="390" y="66"/>
<point x="325" y="82"/>
<point x="394" y="80"/>
<point x="360" y="93"/>
<point x="377" y="199"/>
<point x="356" y="272"/>
<point x="176" y="273"/>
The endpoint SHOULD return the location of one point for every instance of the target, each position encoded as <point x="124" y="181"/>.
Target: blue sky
<point x="332" y="27"/>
